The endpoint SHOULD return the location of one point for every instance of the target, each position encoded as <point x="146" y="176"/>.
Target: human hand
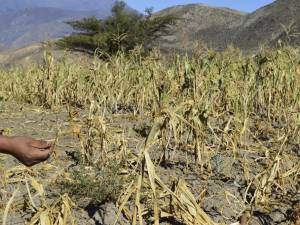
<point x="27" y="150"/>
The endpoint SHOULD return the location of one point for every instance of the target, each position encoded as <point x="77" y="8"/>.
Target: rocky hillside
<point x="199" y="22"/>
<point x="220" y="27"/>
<point x="269" y="24"/>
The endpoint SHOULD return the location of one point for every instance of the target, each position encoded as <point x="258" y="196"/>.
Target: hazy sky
<point x="243" y="5"/>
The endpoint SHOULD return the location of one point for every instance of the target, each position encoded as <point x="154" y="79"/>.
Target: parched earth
<point x="219" y="187"/>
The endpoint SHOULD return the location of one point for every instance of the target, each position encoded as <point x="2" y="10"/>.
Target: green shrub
<point x="122" y="31"/>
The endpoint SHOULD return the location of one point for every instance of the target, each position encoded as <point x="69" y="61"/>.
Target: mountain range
<point x="23" y="22"/>
<point x="75" y="5"/>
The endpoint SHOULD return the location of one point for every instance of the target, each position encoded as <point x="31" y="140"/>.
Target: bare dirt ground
<point x="26" y="120"/>
<point x="221" y="186"/>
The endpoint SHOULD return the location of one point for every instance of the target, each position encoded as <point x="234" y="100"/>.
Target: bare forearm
<point x="4" y="145"/>
<point x="27" y="150"/>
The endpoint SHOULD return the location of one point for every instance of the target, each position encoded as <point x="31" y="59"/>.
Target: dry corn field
<point x="211" y="138"/>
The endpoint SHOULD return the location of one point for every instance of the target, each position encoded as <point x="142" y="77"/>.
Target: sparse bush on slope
<point x="122" y="31"/>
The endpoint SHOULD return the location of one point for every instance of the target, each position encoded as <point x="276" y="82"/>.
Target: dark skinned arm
<point x="27" y="150"/>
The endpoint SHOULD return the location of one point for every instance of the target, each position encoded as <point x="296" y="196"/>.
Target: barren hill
<point x="220" y="27"/>
<point x="199" y="22"/>
<point x="269" y="24"/>
<point x="35" y="53"/>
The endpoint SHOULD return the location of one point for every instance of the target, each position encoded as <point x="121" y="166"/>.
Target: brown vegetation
<point x="223" y="138"/>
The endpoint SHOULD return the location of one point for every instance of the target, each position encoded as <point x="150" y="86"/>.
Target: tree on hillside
<point x="122" y="31"/>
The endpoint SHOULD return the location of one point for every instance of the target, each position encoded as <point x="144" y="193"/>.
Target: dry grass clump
<point x="29" y="195"/>
<point x="201" y="108"/>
